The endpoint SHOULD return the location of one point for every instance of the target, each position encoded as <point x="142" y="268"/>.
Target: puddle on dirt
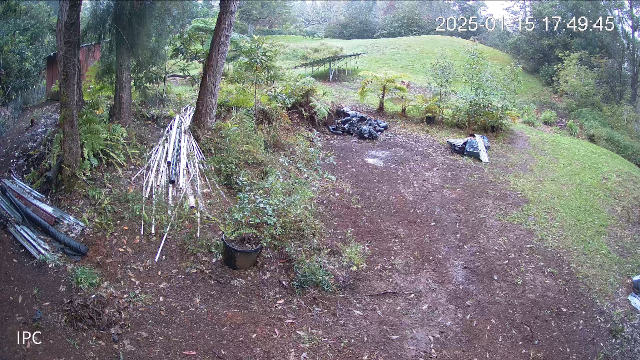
<point x="375" y="157"/>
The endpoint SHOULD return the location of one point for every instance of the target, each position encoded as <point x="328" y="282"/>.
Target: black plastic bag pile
<point x="355" y="123"/>
<point x="469" y="146"/>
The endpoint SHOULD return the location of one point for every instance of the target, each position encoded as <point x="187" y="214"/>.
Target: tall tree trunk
<point x="634" y="56"/>
<point x="205" y="113"/>
<point x="122" y="94"/>
<point x="62" y="16"/>
<point x="68" y="39"/>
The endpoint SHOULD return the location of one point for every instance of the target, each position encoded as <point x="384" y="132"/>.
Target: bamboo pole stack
<point x="175" y="168"/>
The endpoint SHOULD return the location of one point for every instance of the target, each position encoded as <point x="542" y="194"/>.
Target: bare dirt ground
<point x="445" y="278"/>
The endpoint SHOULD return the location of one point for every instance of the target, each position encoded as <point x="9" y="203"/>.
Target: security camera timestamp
<point x="529" y="23"/>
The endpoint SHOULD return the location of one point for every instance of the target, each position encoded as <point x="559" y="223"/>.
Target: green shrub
<point x="577" y="80"/>
<point x="528" y="115"/>
<point x="273" y="175"/>
<point x="280" y="209"/>
<point x="235" y="96"/>
<point x="237" y="146"/>
<point x="530" y="120"/>
<point x="442" y="72"/>
<point x="572" y="128"/>
<point x="549" y="117"/>
<point x="470" y="112"/>
<point x="481" y="104"/>
<point x="547" y="74"/>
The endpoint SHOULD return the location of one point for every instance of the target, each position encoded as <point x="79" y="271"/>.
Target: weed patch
<point x="312" y="272"/>
<point x="85" y="278"/>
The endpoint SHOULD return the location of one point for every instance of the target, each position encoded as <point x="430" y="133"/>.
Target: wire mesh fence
<point x="10" y="113"/>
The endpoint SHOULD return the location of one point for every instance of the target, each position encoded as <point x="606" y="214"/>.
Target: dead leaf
<point x="125" y="227"/>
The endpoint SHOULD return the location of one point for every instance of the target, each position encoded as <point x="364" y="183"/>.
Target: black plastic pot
<point x="239" y="259"/>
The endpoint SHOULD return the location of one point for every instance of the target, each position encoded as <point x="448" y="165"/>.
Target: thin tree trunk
<point x="381" y="103"/>
<point x="68" y="39"/>
<point x="205" y="113"/>
<point x="122" y="94"/>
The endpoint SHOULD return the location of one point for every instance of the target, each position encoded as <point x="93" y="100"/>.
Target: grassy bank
<point x="408" y="55"/>
<point x="581" y="200"/>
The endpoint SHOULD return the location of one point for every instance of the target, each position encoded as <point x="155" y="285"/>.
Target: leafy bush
<point x="256" y="63"/>
<point x="235" y="96"/>
<point x="301" y="93"/>
<point x="531" y="121"/>
<point x="237" y="145"/>
<point x="549" y="117"/>
<point x="547" y="74"/>
<point x="279" y="208"/>
<point x="572" y="128"/>
<point x="442" y="74"/>
<point x="273" y="174"/>
<point x="578" y="82"/>
<point x="480" y="104"/>
<point x="528" y="115"/>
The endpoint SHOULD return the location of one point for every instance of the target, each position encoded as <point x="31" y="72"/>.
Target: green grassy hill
<point x="583" y="199"/>
<point x="409" y="55"/>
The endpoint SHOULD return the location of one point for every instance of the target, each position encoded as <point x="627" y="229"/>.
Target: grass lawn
<point x="579" y="194"/>
<point x="407" y="55"/>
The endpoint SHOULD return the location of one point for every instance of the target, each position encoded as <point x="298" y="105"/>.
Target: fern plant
<point x="384" y="84"/>
<point x="101" y="142"/>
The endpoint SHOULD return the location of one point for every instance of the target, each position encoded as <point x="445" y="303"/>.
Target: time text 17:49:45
<point x="553" y="23"/>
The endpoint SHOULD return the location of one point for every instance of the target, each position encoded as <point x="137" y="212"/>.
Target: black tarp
<point x="353" y="123"/>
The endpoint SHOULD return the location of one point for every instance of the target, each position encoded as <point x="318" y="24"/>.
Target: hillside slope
<point x="409" y="55"/>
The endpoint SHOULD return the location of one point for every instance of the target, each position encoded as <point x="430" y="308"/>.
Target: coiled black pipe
<point x="50" y="230"/>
